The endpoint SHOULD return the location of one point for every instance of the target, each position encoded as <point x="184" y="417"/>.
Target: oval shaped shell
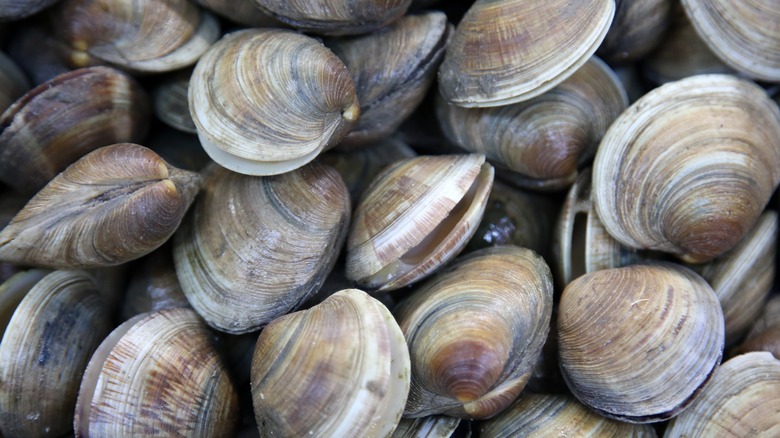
<point x="417" y="215"/>
<point x="555" y="416"/>
<point x="255" y="248"/>
<point x="63" y="119"/>
<point x="474" y="332"/>
<point x="639" y="343"/>
<point x="503" y="52"/>
<point x="45" y="350"/>
<point x="545" y="138"/>
<point x="157" y="373"/>
<point x="743" y="399"/>
<point x="335" y="17"/>
<point x="267" y="101"/>
<point x="338" y="369"/>
<point x="114" y="205"/>
<point x="745" y="35"/>
<point x="135" y="35"/>
<point x="689" y="167"/>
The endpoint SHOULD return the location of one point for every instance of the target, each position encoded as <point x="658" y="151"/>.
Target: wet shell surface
<point x="157" y="374"/>
<point x="267" y="101"/>
<point x="114" y="205"/>
<point x="255" y="248"/>
<point x="503" y="52"/>
<point x="338" y="369"/>
<point x="416" y="216"/>
<point x="335" y="17"/>
<point x="689" y="167"/>
<point x="474" y="332"/>
<point x="639" y="343"/>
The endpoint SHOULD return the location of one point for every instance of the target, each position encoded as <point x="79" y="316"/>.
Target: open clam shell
<point x="417" y="215"/>
<point x="689" y="167"/>
<point x="639" y="343"/>
<point x="267" y="101"/>
<point x="503" y="52"/>
<point x="338" y="369"/>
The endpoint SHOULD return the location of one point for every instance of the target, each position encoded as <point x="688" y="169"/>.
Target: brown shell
<point x="114" y="205"/>
<point x="637" y="29"/>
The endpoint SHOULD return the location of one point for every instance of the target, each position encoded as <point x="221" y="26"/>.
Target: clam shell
<point x="474" y="332"/>
<point x="14" y="10"/>
<point x="689" y="167"/>
<point x="153" y="286"/>
<point x="335" y="17"/>
<point x="639" y="343"/>
<point x="114" y="205"/>
<point x="636" y="30"/>
<point x="255" y="248"/>
<point x="267" y="101"/>
<point x="44" y="353"/>
<point x="416" y="215"/>
<point x="743" y="399"/>
<point x="63" y="119"/>
<point x="503" y="52"/>
<point x="157" y="374"/>
<point x="435" y="426"/>
<point x="170" y="102"/>
<point x="338" y="369"/>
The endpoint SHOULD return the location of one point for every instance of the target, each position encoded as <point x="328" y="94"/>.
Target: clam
<point x="13" y="83"/>
<point x="156" y="374"/>
<point x="744" y="35"/>
<point x="547" y="138"/>
<point x="338" y="369"/>
<point x="416" y="216"/>
<point x="689" y="167"/>
<point x="255" y="248"/>
<point x="638" y="28"/>
<point x="45" y="349"/>
<point x="547" y="415"/>
<point x="267" y="101"/>
<point x="59" y="121"/>
<point x="503" y="52"/>
<point x="435" y="426"/>
<point x="474" y="332"/>
<point x="639" y="343"/>
<point x="114" y="205"/>
<point x="392" y="69"/>
<point x="743" y="399"/>
<point x="134" y="35"/>
<point x="170" y="101"/>
<point x="335" y="17"/>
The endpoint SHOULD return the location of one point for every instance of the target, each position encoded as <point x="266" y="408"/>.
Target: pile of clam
<point x="389" y="218"/>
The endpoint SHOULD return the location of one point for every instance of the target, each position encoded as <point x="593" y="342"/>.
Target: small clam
<point x="114" y="205"/>
<point x="474" y="332"/>
<point x="503" y="51"/>
<point x="134" y="35"/>
<point x="416" y="216"/>
<point x="45" y="350"/>
<point x="255" y="248"/>
<point x="157" y="374"/>
<point x="59" y="121"/>
<point x="339" y="369"/>
<point x="267" y="101"/>
<point x="689" y="167"/>
<point x="743" y="399"/>
<point x="639" y="343"/>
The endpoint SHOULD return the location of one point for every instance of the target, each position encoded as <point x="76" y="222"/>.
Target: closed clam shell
<point x="503" y="52"/>
<point x="255" y="248"/>
<point x="545" y="138"/>
<point x="45" y="350"/>
<point x="114" y="205"/>
<point x="63" y="119"/>
<point x="639" y="343"/>
<point x="689" y="167"/>
<point x="335" y="17"/>
<point x="134" y="35"/>
<point x="474" y="332"/>
<point x="340" y="368"/>
<point x="392" y="68"/>
<point x="157" y="374"/>
<point x="743" y="399"/>
<point x="267" y="101"/>
<point x="745" y="35"/>
<point x="552" y="415"/>
<point x="416" y="216"/>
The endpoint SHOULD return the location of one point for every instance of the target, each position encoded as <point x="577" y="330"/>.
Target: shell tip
<point x="352" y="112"/>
